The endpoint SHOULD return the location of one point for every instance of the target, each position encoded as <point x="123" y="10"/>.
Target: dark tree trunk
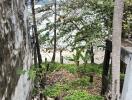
<point x="60" y="54"/>
<point x="86" y="58"/>
<point x="61" y="57"/>
<point x="123" y="34"/>
<point x="54" y="52"/>
<point x="36" y="43"/>
<point x="77" y="63"/>
<point x="41" y="96"/>
<point x="106" y="67"/>
<point x="91" y="78"/>
<point x="123" y="67"/>
<point x="105" y="72"/>
<point x="58" y="98"/>
<point x="45" y="60"/>
<point x="92" y="55"/>
<point x="36" y="35"/>
<point x="45" y="79"/>
<point x="61" y="60"/>
<point x="34" y="48"/>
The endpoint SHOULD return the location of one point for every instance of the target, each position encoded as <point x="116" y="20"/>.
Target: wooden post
<point x="91" y="78"/>
<point x="45" y="60"/>
<point x="92" y="54"/>
<point x="61" y="59"/>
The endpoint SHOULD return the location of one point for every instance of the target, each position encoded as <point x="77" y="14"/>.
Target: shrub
<point x="70" y="67"/>
<point x="52" y="91"/>
<point x="94" y="68"/>
<point x="81" y="82"/>
<point x="55" y="90"/>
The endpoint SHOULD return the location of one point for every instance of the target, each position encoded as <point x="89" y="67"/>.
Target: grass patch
<point x="81" y="82"/>
<point x="56" y="90"/>
<point x="81" y="95"/>
<point x="57" y="66"/>
<point x="70" y="93"/>
<point x="74" y="88"/>
<point x="72" y="68"/>
<point x="90" y="68"/>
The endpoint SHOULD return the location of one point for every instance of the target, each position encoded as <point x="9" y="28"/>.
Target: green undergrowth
<point x="90" y="68"/>
<point x="57" y="66"/>
<point x="56" y="90"/>
<point x="73" y="89"/>
<point x="70" y="93"/>
<point x="80" y="82"/>
<point x="81" y="95"/>
<point x="72" y="68"/>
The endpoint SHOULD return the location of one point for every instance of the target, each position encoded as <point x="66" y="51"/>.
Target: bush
<point x="81" y="82"/>
<point x="70" y="67"/>
<point x="81" y="95"/>
<point x="52" y="91"/>
<point x="55" y="90"/>
<point x="90" y="68"/>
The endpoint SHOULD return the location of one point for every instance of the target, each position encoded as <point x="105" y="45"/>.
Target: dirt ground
<point x="63" y="75"/>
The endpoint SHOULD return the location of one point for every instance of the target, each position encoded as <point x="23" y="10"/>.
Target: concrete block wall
<point x="15" y="50"/>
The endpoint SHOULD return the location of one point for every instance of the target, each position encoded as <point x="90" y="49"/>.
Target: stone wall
<point x="15" y="50"/>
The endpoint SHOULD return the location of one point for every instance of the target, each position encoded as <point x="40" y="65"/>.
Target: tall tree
<point x="37" y="47"/>
<point x="34" y="40"/>
<point x="55" y="13"/>
<point x="116" y="45"/>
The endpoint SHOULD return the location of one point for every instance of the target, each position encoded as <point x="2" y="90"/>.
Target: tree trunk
<point x="77" y="63"/>
<point x="36" y="35"/>
<point x="91" y="78"/>
<point x="61" y="57"/>
<point x="124" y="35"/>
<point x="106" y="67"/>
<point x="86" y="58"/>
<point x="57" y="98"/>
<point x="116" y="45"/>
<point x="34" y="48"/>
<point x="92" y="55"/>
<point x="36" y="42"/>
<point x="54" y="52"/>
<point x="61" y="60"/>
